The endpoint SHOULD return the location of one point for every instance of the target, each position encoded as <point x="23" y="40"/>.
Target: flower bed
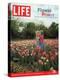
<point x="27" y="57"/>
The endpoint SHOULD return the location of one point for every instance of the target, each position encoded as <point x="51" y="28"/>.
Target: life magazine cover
<point x="33" y="39"/>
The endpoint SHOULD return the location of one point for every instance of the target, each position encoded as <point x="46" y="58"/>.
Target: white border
<point x="4" y="39"/>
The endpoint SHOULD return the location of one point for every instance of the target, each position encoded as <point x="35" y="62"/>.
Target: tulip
<point x="40" y="62"/>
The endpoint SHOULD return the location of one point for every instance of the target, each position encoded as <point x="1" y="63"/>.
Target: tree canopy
<point x="30" y="28"/>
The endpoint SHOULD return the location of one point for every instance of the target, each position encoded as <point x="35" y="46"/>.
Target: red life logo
<point x="21" y="10"/>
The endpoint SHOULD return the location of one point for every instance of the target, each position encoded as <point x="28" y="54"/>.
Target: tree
<point x="53" y="30"/>
<point x="14" y="28"/>
<point x="29" y="31"/>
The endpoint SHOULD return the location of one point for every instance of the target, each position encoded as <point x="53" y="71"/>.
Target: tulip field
<point x="27" y="57"/>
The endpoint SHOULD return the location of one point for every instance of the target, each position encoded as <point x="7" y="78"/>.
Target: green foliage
<point x="28" y="32"/>
<point x="14" y="28"/>
<point x="47" y="48"/>
<point x="18" y="68"/>
<point x="53" y="30"/>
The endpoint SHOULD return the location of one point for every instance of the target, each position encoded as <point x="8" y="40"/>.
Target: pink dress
<point x="41" y="38"/>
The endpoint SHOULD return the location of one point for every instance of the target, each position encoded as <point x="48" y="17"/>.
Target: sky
<point x="36" y="15"/>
